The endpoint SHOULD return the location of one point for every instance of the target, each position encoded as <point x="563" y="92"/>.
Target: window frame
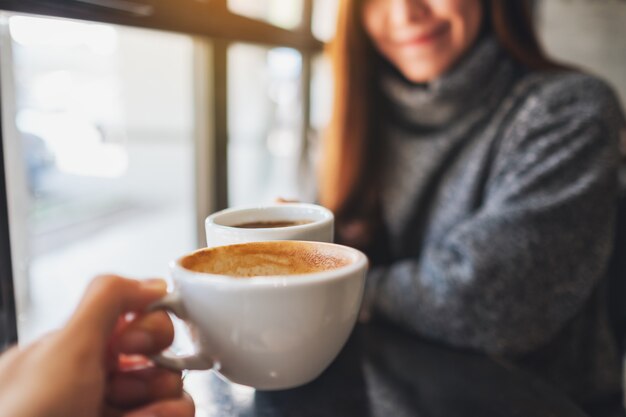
<point x="207" y="20"/>
<point x="8" y="319"/>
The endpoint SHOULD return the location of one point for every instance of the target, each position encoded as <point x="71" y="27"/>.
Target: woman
<point x="481" y="179"/>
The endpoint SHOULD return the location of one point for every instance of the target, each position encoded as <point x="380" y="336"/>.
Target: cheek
<point x="467" y="19"/>
<point x="373" y="22"/>
<point x="474" y="16"/>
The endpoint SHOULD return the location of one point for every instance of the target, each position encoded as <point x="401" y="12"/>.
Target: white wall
<point x="588" y="33"/>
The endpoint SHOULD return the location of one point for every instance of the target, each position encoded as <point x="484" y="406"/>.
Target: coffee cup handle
<point x="167" y="359"/>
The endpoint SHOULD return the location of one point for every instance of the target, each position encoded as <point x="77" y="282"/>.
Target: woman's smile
<point x="424" y="38"/>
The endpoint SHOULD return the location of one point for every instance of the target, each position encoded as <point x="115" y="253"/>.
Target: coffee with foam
<point x="272" y="314"/>
<point x="260" y="259"/>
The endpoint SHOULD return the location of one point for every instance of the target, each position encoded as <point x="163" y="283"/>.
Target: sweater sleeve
<point x="507" y="278"/>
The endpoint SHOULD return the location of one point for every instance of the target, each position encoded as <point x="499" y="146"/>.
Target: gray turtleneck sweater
<point x="499" y="200"/>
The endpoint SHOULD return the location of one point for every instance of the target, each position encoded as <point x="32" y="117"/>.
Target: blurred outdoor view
<point x="107" y="134"/>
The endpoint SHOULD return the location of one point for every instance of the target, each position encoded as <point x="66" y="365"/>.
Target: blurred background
<point x="125" y="123"/>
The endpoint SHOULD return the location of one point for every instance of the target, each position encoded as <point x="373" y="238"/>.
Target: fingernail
<point x="136" y="342"/>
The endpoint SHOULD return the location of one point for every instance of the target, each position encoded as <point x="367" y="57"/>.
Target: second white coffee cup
<point x="309" y="222"/>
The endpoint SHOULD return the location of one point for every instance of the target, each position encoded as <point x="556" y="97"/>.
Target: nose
<point x="407" y="11"/>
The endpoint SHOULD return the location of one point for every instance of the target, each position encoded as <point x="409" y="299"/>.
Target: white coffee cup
<point x="222" y="227"/>
<point x="274" y="331"/>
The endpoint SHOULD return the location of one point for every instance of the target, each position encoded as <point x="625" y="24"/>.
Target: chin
<point x="420" y="73"/>
<point x="421" y="77"/>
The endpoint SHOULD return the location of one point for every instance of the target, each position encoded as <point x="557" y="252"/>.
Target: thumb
<point x="107" y="298"/>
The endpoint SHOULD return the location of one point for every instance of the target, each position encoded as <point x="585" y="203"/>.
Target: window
<point x="106" y="142"/>
<point x="126" y="123"/>
<point x="264" y="123"/>
<point x="324" y="19"/>
<point x="286" y="14"/>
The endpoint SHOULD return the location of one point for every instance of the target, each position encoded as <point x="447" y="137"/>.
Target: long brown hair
<point x="350" y="151"/>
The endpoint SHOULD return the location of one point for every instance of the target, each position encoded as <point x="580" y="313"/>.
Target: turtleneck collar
<point x="465" y="86"/>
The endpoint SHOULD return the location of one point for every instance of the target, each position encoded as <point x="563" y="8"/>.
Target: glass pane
<point x="321" y="92"/>
<point x="320" y="113"/>
<point x="106" y="135"/>
<point x="285" y="14"/>
<point x="264" y="123"/>
<point x="324" y="19"/>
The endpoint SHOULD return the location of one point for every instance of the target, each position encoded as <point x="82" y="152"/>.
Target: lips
<point x="425" y="37"/>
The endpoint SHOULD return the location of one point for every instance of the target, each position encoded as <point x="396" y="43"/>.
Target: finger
<point x="131" y="389"/>
<point x="148" y="334"/>
<point x="112" y="357"/>
<point x="108" y="297"/>
<point x="286" y="200"/>
<point x="10" y="363"/>
<point x="183" y="407"/>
